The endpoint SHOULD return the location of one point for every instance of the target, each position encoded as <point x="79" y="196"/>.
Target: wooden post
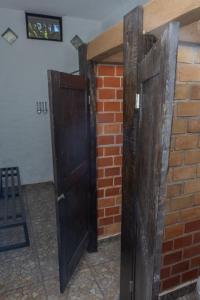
<point x="133" y="41"/>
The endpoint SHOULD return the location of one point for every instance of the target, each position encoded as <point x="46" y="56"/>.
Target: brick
<point x="188" y="72"/>
<point x="180" y="267"/>
<point x="192" y="226"/>
<point x="195" y="262"/>
<point x="184" y="173"/>
<point x="99" y="82"/>
<point x="189" y="214"/>
<point x="112" y="129"/>
<point x="108" y="151"/>
<point x="106" y="221"/>
<point x="167" y="246"/>
<point x="179" y="126"/>
<point x="111" y="82"/>
<point x="119" y="139"/>
<point x="103" y="162"/>
<point x="118" y="181"/>
<point x="172" y="218"/>
<point x="112" y="229"/>
<point x="192" y="251"/>
<point x="105" y="182"/>
<point x="119" y="71"/>
<point x="117" y="219"/>
<point x="118" y="200"/>
<point x="112" y="191"/>
<point x="186" y="142"/>
<point x="197" y="199"/>
<point x="183" y="242"/>
<point x="100" y="193"/>
<point x="107" y="94"/>
<point x="181" y="202"/>
<point x="185" y="54"/>
<point x="193" y="274"/>
<point x="118" y="160"/>
<point x="176" y="158"/>
<point x="110" y="211"/>
<point x="106" y="70"/>
<point x="99" y="129"/>
<point x="112" y="106"/>
<point x="170" y="175"/>
<point x="196" y="238"/>
<point x="164" y="273"/>
<point x="105" y="140"/>
<point x="195" y="92"/>
<point x="100" y="173"/>
<point x="188" y="109"/>
<point x="107" y="202"/>
<point x="119" y="117"/>
<point x="182" y="91"/>
<point x="112" y="171"/>
<point x="192" y="157"/>
<point x="105" y="117"/>
<point x="120" y="94"/>
<point x="192" y="186"/>
<point x="99" y="152"/>
<point x="99" y="106"/>
<point x="100" y="231"/>
<point x="194" y="126"/>
<point x="173" y="231"/>
<point x="100" y="213"/>
<point x="172" y="258"/>
<point x="198" y="171"/>
<point x="171" y="282"/>
<point x="174" y="190"/>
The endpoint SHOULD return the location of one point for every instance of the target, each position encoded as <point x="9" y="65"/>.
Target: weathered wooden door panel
<point x="70" y="142"/>
<point x="150" y="141"/>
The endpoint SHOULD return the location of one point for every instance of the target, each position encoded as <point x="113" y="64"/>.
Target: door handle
<point x="62" y="196"/>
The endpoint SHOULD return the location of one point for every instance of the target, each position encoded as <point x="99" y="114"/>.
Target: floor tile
<point x="108" y="278"/>
<point x="26" y="293"/>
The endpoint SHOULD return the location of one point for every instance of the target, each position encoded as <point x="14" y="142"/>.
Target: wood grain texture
<point x="133" y="41"/>
<point x="157" y="13"/>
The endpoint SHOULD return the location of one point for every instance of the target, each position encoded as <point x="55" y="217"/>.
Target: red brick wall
<point x="181" y="248"/>
<point x="109" y="148"/>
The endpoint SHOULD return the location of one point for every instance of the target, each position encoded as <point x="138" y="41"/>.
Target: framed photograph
<point x="43" y="27"/>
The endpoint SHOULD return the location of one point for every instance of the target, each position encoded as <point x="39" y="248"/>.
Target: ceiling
<point x="86" y="9"/>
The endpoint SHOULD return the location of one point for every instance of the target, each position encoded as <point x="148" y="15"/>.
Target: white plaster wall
<point x="25" y="136"/>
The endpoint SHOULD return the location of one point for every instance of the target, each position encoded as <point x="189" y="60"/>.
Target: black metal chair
<point x="12" y="211"/>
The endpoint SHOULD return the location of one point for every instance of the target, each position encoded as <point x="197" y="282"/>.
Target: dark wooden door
<point x="148" y="109"/>
<point x="70" y="142"/>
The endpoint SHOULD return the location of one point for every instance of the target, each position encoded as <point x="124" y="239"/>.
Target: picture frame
<point x="44" y="27"/>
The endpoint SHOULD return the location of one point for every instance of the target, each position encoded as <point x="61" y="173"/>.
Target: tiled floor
<point x="32" y="273"/>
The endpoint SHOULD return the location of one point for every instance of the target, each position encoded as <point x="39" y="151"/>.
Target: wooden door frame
<point x="87" y="69"/>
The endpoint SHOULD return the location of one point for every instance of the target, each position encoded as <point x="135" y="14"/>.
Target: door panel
<point x="70" y="142"/>
<point x="150" y="150"/>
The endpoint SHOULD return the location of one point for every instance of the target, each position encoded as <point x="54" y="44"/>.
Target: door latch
<point x="62" y="196"/>
<point x="137" y="101"/>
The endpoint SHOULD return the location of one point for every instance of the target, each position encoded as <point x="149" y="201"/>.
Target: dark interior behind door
<point x="70" y="143"/>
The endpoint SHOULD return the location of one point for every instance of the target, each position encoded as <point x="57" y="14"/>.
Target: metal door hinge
<point x="137" y="101"/>
<point x="131" y="286"/>
<point x="62" y="196"/>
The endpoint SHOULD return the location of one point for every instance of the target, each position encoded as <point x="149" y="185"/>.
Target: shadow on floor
<point x="32" y="273"/>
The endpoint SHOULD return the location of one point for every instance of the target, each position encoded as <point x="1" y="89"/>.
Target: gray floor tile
<point x="108" y="278"/>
